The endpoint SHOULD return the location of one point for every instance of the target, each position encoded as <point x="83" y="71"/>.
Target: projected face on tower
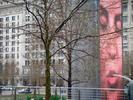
<point x="110" y="20"/>
<point x="110" y="43"/>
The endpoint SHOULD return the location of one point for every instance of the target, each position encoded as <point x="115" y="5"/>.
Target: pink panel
<point x="110" y="46"/>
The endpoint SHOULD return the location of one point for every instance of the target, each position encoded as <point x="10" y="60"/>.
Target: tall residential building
<point x="128" y="37"/>
<point x="127" y="25"/>
<point x="16" y="46"/>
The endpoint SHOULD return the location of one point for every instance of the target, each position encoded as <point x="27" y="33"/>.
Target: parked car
<point x="7" y="88"/>
<point x="25" y="91"/>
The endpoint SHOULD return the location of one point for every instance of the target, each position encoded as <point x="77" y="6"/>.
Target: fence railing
<point x="77" y="93"/>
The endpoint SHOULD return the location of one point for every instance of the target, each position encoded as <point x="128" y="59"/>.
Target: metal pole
<point x="122" y="76"/>
<point x="15" y="94"/>
<point x="79" y="95"/>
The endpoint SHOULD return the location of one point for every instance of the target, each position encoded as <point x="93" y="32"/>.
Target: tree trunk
<point x="69" y="76"/>
<point x="47" y="75"/>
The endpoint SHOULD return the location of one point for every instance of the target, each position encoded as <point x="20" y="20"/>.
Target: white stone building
<point x="127" y="23"/>
<point x="15" y="44"/>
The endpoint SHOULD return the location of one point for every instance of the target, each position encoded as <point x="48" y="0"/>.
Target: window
<point x="7" y="31"/>
<point x="13" y="43"/>
<point x="36" y="55"/>
<point x="7" y="24"/>
<point x="60" y="53"/>
<point x="13" y="49"/>
<point x="13" y="30"/>
<point x="17" y="42"/>
<point x="1" y="31"/>
<point x="13" y="18"/>
<point x="18" y="30"/>
<point x="17" y="48"/>
<point x="125" y="37"/>
<point x="13" y="24"/>
<point x="1" y="25"/>
<point x="132" y="17"/>
<point x="26" y="48"/>
<point x="27" y="62"/>
<point x="7" y="49"/>
<point x="1" y="19"/>
<point x="125" y="53"/>
<point x="7" y="43"/>
<point x="17" y="55"/>
<point x="61" y="44"/>
<point x="13" y="36"/>
<point x="18" y="24"/>
<point x="125" y="45"/>
<point x="60" y="61"/>
<point x="42" y="54"/>
<point x="7" y="56"/>
<point x="27" y="26"/>
<point x="36" y="47"/>
<point x="13" y="56"/>
<point x="132" y="5"/>
<point x="27" y="40"/>
<point x="1" y="56"/>
<point x="1" y="44"/>
<point x="1" y="3"/>
<point x="27" y="18"/>
<point x="27" y="55"/>
<point x="26" y="12"/>
<point x="7" y="19"/>
<point x="41" y="46"/>
<point x="33" y="54"/>
<point x="1" y="37"/>
<point x="125" y="19"/>
<point x="18" y="36"/>
<point x="1" y="49"/>
<point x="18" y="17"/>
<point x="125" y="7"/>
<point x="7" y="37"/>
<point x="41" y="62"/>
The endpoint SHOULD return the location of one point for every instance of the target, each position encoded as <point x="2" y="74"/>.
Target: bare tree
<point x="49" y="20"/>
<point x="9" y="73"/>
<point x="81" y="54"/>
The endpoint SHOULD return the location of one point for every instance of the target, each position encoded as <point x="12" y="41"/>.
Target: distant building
<point x="128" y="36"/>
<point x="17" y="46"/>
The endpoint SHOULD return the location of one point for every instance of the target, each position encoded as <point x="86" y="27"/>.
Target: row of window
<point x="7" y="56"/>
<point x="125" y="18"/>
<point x="34" y="47"/>
<point x="13" y="24"/>
<point x="125" y="45"/>
<point x="7" y="49"/>
<point x="14" y="18"/>
<point x="125" y="6"/>
<point x="28" y="62"/>
<point x="7" y="19"/>
<point x="35" y="55"/>
<point x="13" y="30"/>
<point x="7" y="43"/>
<point x="7" y="37"/>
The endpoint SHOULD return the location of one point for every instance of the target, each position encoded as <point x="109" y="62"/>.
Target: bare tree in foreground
<point x="49" y="21"/>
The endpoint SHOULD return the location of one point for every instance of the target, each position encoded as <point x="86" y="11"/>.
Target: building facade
<point x="17" y="46"/>
<point x="128" y="37"/>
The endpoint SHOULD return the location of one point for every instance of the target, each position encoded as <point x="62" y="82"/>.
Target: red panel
<point x="110" y="46"/>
